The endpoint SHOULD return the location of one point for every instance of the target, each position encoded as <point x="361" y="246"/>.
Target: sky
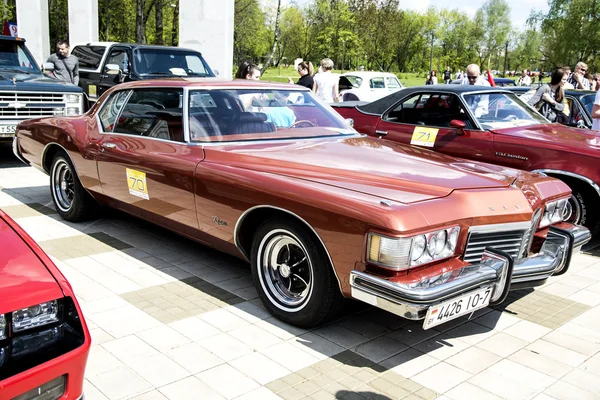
<point x="520" y="9"/>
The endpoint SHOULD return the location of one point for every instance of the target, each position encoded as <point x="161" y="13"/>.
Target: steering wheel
<point x="303" y="123"/>
<point x="154" y="103"/>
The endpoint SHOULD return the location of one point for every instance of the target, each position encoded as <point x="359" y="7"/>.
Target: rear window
<point x="89" y="56"/>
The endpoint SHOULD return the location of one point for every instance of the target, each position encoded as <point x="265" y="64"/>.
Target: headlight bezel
<point x="554" y="212"/>
<point x="3" y="327"/>
<point x="72" y="98"/>
<point x="418" y="252"/>
<point x="47" y="314"/>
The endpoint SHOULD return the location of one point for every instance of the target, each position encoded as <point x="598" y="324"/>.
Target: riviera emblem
<point x="218" y="221"/>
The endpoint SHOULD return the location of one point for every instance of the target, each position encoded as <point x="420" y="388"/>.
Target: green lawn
<point x="282" y="75"/>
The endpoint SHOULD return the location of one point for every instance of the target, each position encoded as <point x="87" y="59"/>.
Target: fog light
<point x="72" y="111"/>
<point x="51" y="390"/>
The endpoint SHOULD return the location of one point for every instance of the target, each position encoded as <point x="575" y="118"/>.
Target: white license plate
<point x="7" y="130"/>
<point x="457" y="307"/>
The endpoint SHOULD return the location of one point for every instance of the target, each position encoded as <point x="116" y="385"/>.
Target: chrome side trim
<point x="247" y="257"/>
<point x="572" y="175"/>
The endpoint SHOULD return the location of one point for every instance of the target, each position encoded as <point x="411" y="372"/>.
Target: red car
<point x="491" y="125"/>
<point x="44" y="341"/>
<point x="268" y="173"/>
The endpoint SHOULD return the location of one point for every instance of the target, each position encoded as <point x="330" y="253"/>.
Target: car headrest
<point x="251" y="117"/>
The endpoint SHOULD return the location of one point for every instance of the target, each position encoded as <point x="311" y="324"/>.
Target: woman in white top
<point x="326" y="85"/>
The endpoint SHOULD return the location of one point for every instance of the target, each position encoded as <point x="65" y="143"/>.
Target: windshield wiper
<point x="157" y="73"/>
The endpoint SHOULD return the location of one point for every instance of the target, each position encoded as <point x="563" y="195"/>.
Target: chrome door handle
<point x="381" y="133"/>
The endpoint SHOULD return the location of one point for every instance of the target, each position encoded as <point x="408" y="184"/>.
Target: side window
<point x="109" y="113"/>
<point x="404" y="112"/>
<point x="89" y="56"/>
<point x="377" y="83"/>
<point x="120" y="58"/>
<point x="153" y="113"/>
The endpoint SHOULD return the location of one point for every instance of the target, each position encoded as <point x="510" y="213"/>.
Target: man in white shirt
<point x="477" y="103"/>
<point x="524" y="79"/>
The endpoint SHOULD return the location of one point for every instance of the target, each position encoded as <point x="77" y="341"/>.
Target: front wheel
<point x="293" y="275"/>
<point x="584" y="210"/>
<point x="71" y="200"/>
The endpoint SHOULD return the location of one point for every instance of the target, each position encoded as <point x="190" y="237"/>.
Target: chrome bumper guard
<point x="496" y="269"/>
<point x="15" y="149"/>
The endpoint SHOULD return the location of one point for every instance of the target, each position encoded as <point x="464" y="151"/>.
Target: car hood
<point x="10" y="80"/>
<point x="24" y="280"/>
<point x="380" y="168"/>
<point x="556" y="134"/>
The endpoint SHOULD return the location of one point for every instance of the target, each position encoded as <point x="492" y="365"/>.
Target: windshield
<point x="260" y="114"/>
<point x="501" y="110"/>
<point x="170" y="62"/>
<point x="588" y="102"/>
<point x="14" y="56"/>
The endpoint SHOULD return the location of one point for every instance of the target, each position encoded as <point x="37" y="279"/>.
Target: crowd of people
<point x="323" y="83"/>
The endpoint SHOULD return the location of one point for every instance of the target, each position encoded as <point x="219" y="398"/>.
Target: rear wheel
<point x="350" y="97"/>
<point x="293" y="275"/>
<point x="71" y="200"/>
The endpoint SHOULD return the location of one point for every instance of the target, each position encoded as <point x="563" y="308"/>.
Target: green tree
<point x="493" y="25"/>
<point x="250" y="36"/>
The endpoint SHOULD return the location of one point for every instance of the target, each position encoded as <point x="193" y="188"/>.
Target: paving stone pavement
<point x="172" y="319"/>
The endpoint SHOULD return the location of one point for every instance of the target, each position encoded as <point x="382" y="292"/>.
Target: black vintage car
<point x="103" y="65"/>
<point x="580" y="104"/>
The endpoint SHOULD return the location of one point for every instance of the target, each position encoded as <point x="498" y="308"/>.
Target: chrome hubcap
<point x="63" y="186"/>
<point x="574" y="216"/>
<point x="286" y="271"/>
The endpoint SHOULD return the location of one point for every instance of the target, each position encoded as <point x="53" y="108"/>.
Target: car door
<point x="423" y="119"/>
<point x="120" y="56"/>
<point x="90" y="58"/>
<point x="144" y="163"/>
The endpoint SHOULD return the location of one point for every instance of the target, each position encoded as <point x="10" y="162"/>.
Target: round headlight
<point x="453" y="239"/>
<point x="436" y="244"/>
<point x="418" y="247"/>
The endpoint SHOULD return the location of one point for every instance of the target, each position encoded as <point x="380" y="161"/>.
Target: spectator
<point x="434" y="80"/>
<point x="306" y="71"/>
<point x="474" y="77"/>
<point x="524" y="79"/>
<point x="326" y="85"/>
<point x="447" y="76"/>
<point x="549" y="99"/>
<point x="595" y="86"/>
<point x="66" y="67"/>
<point x="578" y="79"/>
<point x="247" y="70"/>
<point x="596" y="112"/>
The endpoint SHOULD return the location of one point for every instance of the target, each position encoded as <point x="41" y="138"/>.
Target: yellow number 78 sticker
<point x="423" y="136"/>
<point x="136" y="181"/>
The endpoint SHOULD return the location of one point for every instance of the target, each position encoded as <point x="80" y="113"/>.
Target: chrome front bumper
<point x="496" y="269"/>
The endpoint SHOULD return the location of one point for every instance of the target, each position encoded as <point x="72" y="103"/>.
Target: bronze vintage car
<point x="270" y="174"/>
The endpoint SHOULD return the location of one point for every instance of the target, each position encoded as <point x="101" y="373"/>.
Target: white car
<point x="367" y="85"/>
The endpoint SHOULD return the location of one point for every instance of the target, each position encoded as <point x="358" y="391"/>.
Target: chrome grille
<point x="30" y="105"/>
<point x="508" y="241"/>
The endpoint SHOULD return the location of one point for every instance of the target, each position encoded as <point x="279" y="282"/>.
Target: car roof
<point x="367" y="74"/>
<point x="211" y="83"/>
<point x="379" y="106"/>
<point x="132" y="45"/>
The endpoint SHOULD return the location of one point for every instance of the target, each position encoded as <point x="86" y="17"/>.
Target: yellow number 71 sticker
<point x="136" y="181"/>
<point x="423" y="136"/>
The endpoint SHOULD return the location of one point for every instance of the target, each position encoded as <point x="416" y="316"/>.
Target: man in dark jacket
<point x="447" y="76"/>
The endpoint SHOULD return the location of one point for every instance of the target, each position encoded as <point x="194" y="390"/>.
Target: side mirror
<point x="48" y="67"/>
<point x="350" y="122"/>
<point x="216" y="71"/>
<point x="459" y="126"/>
<point x="581" y="124"/>
<point x="112" y="69"/>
